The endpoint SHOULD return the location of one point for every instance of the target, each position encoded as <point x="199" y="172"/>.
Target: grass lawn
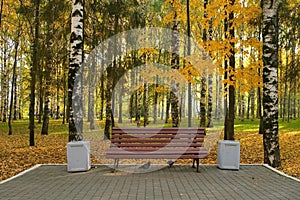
<point x="16" y="155"/>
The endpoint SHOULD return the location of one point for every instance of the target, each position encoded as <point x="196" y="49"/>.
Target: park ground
<point x="16" y="155"/>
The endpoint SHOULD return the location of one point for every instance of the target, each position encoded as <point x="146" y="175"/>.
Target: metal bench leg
<point x="116" y="164"/>
<point x="197" y="161"/>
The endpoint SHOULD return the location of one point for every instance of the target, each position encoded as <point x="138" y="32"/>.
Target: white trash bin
<point x="228" y="154"/>
<point x="78" y="156"/>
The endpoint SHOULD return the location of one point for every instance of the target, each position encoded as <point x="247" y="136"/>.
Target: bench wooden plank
<point x="138" y="156"/>
<point x="154" y="140"/>
<point x="165" y="149"/>
<point x="141" y="146"/>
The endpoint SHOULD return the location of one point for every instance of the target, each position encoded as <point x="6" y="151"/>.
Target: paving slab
<point x="178" y="182"/>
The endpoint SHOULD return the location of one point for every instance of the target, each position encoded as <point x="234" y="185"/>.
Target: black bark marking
<point x="77" y="13"/>
<point x="75" y="37"/>
<point x="78" y="2"/>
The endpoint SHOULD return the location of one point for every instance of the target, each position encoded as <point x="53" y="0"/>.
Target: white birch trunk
<point x="76" y="60"/>
<point x="270" y="82"/>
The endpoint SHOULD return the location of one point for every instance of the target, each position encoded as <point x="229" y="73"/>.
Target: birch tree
<point x="270" y="82"/>
<point x="76" y="60"/>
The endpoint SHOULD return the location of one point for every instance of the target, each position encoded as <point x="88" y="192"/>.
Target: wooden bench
<point x="157" y="143"/>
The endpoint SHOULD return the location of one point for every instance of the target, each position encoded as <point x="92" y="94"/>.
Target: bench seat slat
<point x="158" y="145"/>
<point x="147" y="156"/>
<point x="158" y="130"/>
<point x="114" y="136"/>
<point x="155" y="140"/>
<point x="157" y="149"/>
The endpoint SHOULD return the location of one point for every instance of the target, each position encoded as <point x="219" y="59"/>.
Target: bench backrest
<point x="144" y="138"/>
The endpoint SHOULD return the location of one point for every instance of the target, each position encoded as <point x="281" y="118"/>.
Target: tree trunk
<point x="259" y="113"/>
<point x="58" y="83"/>
<point x="280" y="77"/>
<point x="259" y="92"/>
<point x="15" y="107"/>
<point x="294" y="100"/>
<point x="33" y="72"/>
<point x="285" y="86"/>
<point x="64" y="98"/>
<point x="182" y="104"/>
<point x="46" y="111"/>
<point x="210" y="102"/>
<point x="175" y="66"/>
<point x="242" y="107"/>
<point x="220" y="100"/>
<point x="248" y="106"/>
<point x="217" y="117"/>
<point x="188" y="53"/>
<point x="252" y="100"/>
<point x="155" y="100"/>
<point x="2" y="69"/>
<point x="1" y="9"/>
<point x="102" y="95"/>
<point x="138" y="104"/>
<point x="76" y="60"/>
<point x="225" y="78"/>
<point x="39" y="110"/>
<point x="4" y="84"/>
<point x="120" y="117"/>
<point x="168" y="102"/>
<point x="270" y="82"/>
<point x="20" y="93"/>
<point x="203" y="101"/>
<point x="229" y="122"/>
<point x="294" y="81"/>
<point x="48" y="70"/>
<point x="108" y="97"/>
<point x="91" y="96"/>
<point x="163" y="107"/>
<point x="145" y="103"/>
<point x="210" y="83"/>
<point x="131" y="107"/>
<point x="289" y="105"/>
<point x="13" y="85"/>
<point x="203" y="79"/>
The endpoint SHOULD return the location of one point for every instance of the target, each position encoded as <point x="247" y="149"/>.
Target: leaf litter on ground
<point x="16" y="155"/>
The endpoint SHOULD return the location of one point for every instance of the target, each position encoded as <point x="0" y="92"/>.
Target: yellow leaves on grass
<point x="17" y="156"/>
<point x="290" y="153"/>
<point x="252" y="150"/>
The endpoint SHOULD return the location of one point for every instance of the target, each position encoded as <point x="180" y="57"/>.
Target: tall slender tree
<point x="270" y="82"/>
<point x="1" y="9"/>
<point x="229" y="118"/>
<point x="188" y="53"/>
<point x="203" y="78"/>
<point x="13" y="85"/>
<point x="48" y="70"/>
<point x="33" y="72"/>
<point x="175" y="65"/>
<point x="76" y="60"/>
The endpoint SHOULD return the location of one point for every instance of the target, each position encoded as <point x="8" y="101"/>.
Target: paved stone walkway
<point x="177" y="182"/>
